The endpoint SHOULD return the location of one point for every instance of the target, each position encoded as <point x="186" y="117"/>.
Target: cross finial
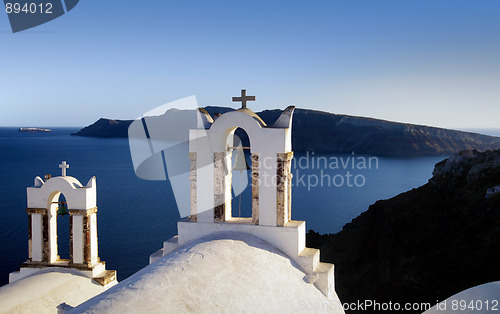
<point x="64" y="166"/>
<point x="244" y="98"/>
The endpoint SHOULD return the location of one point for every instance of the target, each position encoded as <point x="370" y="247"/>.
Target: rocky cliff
<point x="331" y="133"/>
<point x="426" y="244"/>
<point x="106" y="128"/>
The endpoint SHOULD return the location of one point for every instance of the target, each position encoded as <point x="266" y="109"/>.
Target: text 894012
<point x="28" y="8"/>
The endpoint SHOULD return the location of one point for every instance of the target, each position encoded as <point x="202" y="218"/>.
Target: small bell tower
<point x="43" y="207"/>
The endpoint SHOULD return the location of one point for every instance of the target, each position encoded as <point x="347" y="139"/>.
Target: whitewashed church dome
<point x="221" y="273"/>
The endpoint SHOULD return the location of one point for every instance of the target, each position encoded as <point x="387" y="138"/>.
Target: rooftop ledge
<point x="290" y="238"/>
<point x="246" y="221"/>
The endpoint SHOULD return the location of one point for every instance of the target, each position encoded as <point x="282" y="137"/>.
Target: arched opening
<point x="59" y="228"/>
<point x="63" y="228"/>
<point x="241" y="180"/>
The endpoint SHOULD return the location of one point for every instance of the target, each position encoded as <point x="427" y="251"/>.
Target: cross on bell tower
<point x="244" y="98"/>
<point x="64" y="166"/>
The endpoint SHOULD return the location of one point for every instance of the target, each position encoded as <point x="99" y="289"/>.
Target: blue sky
<point x="432" y="62"/>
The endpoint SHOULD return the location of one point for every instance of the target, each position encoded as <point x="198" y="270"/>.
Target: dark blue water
<point x="135" y="216"/>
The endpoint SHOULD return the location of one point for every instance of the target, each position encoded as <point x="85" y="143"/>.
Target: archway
<point x="241" y="181"/>
<point x="63" y="229"/>
<point x="59" y="228"/>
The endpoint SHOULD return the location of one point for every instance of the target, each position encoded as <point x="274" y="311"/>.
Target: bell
<point x="240" y="162"/>
<point x="63" y="209"/>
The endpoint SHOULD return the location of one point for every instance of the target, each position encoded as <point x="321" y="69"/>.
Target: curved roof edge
<point x="213" y="272"/>
<point x="284" y="121"/>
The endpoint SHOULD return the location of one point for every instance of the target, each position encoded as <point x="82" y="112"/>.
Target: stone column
<point x="289" y="187"/>
<point x="92" y="227"/>
<point x="220" y="173"/>
<point x="86" y="240"/>
<point x="283" y="187"/>
<point x="71" y="239"/>
<point x="76" y="237"/>
<point x="255" y="188"/>
<point x="45" y="238"/>
<point x="192" y="180"/>
<point x="38" y="248"/>
<point x="50" y="234"/>
<point x="83" y="236"/>
<point x="30" y="241"/>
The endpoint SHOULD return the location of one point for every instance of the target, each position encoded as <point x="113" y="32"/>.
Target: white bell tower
<point x="81" y="205"/>
<point x="210" y="152"/>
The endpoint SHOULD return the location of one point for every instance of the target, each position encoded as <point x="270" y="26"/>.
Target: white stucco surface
<point x="265" y="141"/>
<point x="37" y="238"/>
<point x="78" y="246"/>
<point x="77" y="195"/>
<point x="291" y="239"/>
<point x="486" y="296"/>
<point x="44" y="195"/>
<point x="44" y="291"/>
<point x="93" y="238"/>
<point x="221" y="273"/>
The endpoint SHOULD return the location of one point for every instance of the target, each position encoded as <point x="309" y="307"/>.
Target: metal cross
<point x="64" y="166"/>
<point x="244" y="98"/>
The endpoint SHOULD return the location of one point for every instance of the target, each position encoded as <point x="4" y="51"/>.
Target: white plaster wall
<point x="36" y="237"/>
<point x="301" y="237"/>
<point x="261" y="139"/>
<point x="205" y="190"/>
<point x="23" y="272"/>
<point x="228" y="195"/>
<point x="90" y="195"/>
<point x="325" y="282"/>
<point x="267" y="190"/>
<point x="93" y="238"/>
<point x="28" y="271"/>
<point x="77" y="239"/>
<point x="199" y="143"/>
<point x="290" y="240"/>
<point x="288" y="139"/>
<point x="97" y="269"/>
<point x="265" y="141"/>
<point x="77" y="196"/>
<point x="287" y="187"/>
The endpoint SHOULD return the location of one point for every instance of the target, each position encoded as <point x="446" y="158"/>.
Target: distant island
<point x="426" y="244"/>
<point x="33" y="130"/>
<point x="334" y="133"/>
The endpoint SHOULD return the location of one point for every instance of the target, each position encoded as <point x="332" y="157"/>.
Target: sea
<point x="135" y="216"/>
